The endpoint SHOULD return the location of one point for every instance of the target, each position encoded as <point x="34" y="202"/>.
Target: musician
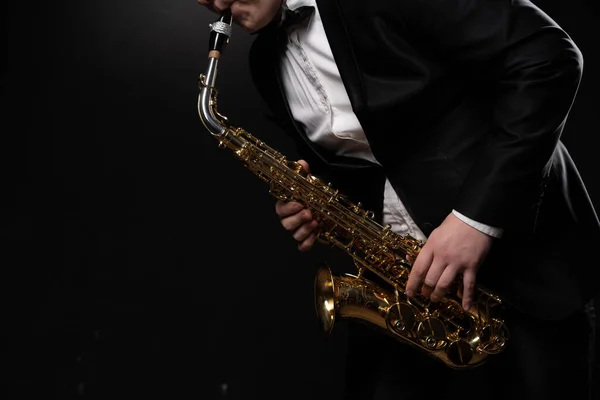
<point x="444" y="117"/>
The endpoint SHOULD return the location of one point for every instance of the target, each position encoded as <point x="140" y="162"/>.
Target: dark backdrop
<point x="137" y="257"/>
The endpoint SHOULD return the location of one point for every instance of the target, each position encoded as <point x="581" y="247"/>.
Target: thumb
<point x="222" y="5"/>
<point x="304" y="166"/>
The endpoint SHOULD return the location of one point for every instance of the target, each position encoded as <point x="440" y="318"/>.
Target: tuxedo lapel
<point x="343" y="53"/>
<point x="264" y="65"/>
<point x="264" y="68"/>
<point x="263" y="60"/>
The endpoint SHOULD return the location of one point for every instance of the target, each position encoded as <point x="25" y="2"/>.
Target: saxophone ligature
<point x="444" y="330"/>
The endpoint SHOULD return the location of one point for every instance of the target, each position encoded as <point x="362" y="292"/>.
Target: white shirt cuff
<point x="488" y="230"/>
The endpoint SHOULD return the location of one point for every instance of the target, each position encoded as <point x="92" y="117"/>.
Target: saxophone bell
<point x="325" y="298"/>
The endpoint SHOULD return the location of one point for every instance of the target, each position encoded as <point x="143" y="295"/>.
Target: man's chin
<point x="248" y="22"/>
<point x="249" y="26"/>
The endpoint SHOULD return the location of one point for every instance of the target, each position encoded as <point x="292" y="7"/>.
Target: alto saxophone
<point x="443" y="329"/>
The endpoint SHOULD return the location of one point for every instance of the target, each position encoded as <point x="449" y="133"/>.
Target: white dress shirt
<point x="319" y="103"/>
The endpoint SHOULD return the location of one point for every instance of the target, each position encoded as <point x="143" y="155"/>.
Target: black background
<point x="138" y="258"/>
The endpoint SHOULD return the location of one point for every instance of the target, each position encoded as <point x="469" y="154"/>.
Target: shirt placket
<point x="309" y="71"/>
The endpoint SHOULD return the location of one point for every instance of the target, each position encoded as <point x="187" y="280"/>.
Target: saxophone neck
<point x="219" y="38"/>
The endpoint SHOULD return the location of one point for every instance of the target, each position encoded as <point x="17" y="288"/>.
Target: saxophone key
<point x="401" y="318"/>
<point x="432" y="333"/>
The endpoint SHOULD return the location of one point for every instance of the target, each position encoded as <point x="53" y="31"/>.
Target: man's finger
<point x="304" y="166"/>
<point x="293" y="222"/>
<point x="308" y="243"/>
<point x="418" y="271"/>
<point x="208" y="4"/>
<point x="432" y="277"/>
<point x="222" y="5"/>
<point x="305" y="230"/>
<point x="469" y="279"/>
<point x="285" y="209"/>
<point x="447" y="279"/>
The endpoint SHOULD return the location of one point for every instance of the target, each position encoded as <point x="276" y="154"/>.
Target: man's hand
<point x="452" y="248"/>
<point x="217" y="6"/>
<point x="298" y="220"/>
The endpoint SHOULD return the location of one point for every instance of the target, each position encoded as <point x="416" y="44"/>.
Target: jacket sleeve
<point x="538" y="70"/>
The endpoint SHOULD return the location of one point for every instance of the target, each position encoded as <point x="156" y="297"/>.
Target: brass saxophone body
<point x="443" y="330"/>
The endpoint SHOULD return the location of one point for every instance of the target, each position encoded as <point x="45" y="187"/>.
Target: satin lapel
<point x="343" y="53"/>
<point x="264" y="67"/>
<point x="264" y="63"/>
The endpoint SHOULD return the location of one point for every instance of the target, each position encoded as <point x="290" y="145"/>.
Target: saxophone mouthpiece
<point x="220" y="34"/>
<point x="220" y="31"/>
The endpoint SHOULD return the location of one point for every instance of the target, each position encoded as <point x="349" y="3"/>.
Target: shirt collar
<point x="291" y="5"/>
<point x="295" y="4"/>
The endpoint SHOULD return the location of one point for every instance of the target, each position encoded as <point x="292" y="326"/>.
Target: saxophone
<point x="444" y="330"/>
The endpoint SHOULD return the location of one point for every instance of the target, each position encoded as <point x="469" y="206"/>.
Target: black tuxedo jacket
<point x="463" y="103"/>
